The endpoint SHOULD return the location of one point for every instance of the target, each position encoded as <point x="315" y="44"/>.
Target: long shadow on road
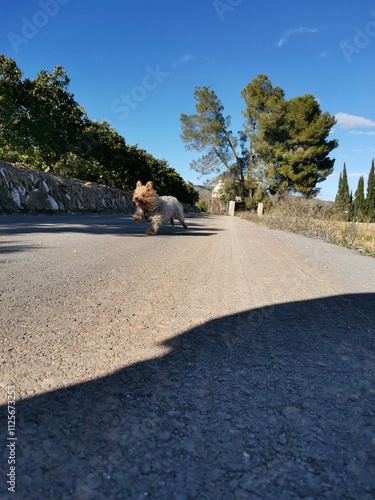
<point x="276" y="402"/>
<point x="117" y="224"/>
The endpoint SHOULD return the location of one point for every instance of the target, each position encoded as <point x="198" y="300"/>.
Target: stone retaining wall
<point x="23" y="190"/>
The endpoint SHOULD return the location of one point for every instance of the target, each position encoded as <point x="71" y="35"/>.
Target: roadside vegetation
<point x="283" y="148"/>
<point x="43" y="127"/>
<point x="279" y="159"/>
<point x="316" y="219"/>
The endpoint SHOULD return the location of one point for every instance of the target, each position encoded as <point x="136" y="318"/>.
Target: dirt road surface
<point x="225" y="361"/>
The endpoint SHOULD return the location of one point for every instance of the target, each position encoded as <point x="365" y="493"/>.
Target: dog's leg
<point x="138" y="215"/>
<point x="179" y="215"/>
<point x="181" y="219"/>
<point x="172" y="221"/>
<point x="154" y="225"/>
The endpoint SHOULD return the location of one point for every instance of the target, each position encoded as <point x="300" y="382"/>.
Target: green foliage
<point x="305" y="161"/>
<point x="43" y="127"/>
<point x="370" y="196"/>
<point x="39" y="119"/>
<point x="100" y="156"/>
<point x="284" y="146"/>
<point x="55" y="121"/>
<point x="13" y="117"/>
<point x="209" y="184"/>
<point x="207" y="132"/>
<point x="263" y="101"/>
<point x="259" y="196"/>
<point x="203" y="207"/>
<point x="359" y="203"/>
<point x="342" y="201"/>
<point x="360" y="209"/>
<point x="288" y="139"/>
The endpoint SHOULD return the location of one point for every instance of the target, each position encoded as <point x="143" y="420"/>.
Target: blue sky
<point x="135" y="64"/>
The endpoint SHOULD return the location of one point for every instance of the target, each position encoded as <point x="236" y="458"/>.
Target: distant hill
<point x="204" y="193"/>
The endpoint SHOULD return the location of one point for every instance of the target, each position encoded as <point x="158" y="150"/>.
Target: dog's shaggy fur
<point x="156" y="209"/>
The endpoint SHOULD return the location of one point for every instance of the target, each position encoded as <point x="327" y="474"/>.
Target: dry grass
<point x="366" y="238"/>
<point x="316" y="219"/>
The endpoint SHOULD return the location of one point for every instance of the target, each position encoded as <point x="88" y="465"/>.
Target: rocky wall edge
<point x="27" y="191"/>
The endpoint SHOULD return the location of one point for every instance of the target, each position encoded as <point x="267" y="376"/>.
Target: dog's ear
<point x="149" y="185"/>
<point x="139" y="184"/>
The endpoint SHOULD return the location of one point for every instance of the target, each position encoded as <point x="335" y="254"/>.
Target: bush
<point x="203" y="207"/>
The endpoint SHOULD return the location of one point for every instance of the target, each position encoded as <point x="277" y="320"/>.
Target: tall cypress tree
<point x="359" y="204"/>
<point x="370" y="197"/>
<point x="342" y="200"/>
<point x="338" y="194"/>
<point x="350" y="206"/>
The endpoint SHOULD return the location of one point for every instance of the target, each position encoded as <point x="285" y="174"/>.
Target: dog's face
<point x="144" y="196"/>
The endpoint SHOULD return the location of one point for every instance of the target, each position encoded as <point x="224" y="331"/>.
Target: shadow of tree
<point x="275" y="402"/>
<point x="118" y="224"/>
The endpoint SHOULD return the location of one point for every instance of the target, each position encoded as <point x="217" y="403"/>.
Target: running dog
<point x="156" y="209"/>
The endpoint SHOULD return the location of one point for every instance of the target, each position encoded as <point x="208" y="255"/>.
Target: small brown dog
<point x="156" y="209"/>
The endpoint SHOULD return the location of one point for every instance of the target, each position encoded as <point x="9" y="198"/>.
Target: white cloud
<point x="295" y="31"/>
<point x="360" y="132"/>
<point x="344" y="120"/>
<point x="184" y="59"/>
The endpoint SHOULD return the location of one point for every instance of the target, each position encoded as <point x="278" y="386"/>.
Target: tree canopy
<point x="361" y="208"/>
<point x="208" y="131"/>
<point x="370" y="196"/>
<point x="43" y="127"/>
<point x="359" y="201"/>
<point x="284" y="146"/>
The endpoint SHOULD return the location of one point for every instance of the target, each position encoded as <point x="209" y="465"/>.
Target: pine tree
<point x="288" y="138"/>
<point x="359" y="204"/>
<point x="207" y="132"/>
<point x="342" y="200"/>
<point x="370" y="198"/>
<point x="350" y="218"/>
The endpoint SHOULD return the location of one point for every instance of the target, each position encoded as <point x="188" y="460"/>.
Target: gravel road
<point x="226" y="361"/>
